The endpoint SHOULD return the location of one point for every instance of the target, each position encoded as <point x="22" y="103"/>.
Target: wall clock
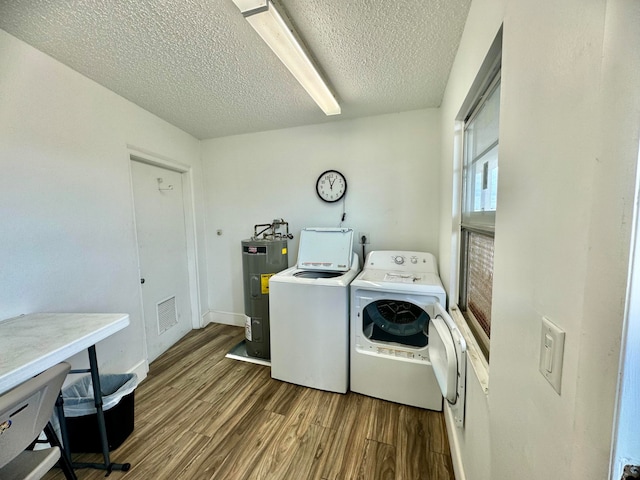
<point x="331" y="186"/>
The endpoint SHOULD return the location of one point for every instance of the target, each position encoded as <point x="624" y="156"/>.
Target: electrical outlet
<point x="367" y="240"/>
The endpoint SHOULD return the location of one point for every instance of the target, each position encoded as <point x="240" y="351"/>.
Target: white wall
<point x="391" y="163"/>
<point x="67" y="237"/>
<point x="471" y="448"/>
<point x="562" y="229"/>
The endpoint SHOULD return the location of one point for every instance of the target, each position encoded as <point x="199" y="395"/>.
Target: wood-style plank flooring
<point x="199" y="415"/>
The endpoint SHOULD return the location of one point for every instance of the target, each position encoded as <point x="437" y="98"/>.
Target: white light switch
<point x="548" y="353"/>
<point x="551" y="353"/>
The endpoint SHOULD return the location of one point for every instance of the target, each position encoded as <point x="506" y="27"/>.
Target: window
<point x="479" y="204"/>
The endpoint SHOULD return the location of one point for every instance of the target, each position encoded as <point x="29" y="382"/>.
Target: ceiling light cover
<point x="246" y="6"/>
<point x="267" y="21"/>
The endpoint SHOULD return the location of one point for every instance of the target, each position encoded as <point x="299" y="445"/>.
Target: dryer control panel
<point x="402" y="261"/>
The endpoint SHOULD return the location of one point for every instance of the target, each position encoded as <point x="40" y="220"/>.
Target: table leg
<point x="97" y="395"/>
<point x="102" y="428"/>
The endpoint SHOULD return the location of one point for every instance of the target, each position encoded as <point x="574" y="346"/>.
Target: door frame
<point x="188" y="199"/>
<point x="624" y="440"/>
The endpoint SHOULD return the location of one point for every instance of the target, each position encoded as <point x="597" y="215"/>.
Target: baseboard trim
<point x="225" y="318"/>
<point x="140" y="369"/>
<point x="454" y="444"/>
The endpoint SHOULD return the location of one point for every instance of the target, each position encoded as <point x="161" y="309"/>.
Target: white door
<point x="162" y="247"/>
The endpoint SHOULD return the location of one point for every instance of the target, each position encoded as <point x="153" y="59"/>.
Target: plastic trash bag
<point x="78" y="397"/>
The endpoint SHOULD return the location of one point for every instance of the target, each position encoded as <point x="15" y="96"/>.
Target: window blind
<point x="480" y="279"/>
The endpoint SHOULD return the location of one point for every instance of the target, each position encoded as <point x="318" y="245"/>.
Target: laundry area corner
<point x="310" y="301"/>
<point x="327" y="325"/>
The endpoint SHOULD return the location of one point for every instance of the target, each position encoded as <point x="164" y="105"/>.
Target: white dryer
<point x="405" y="347"/>
<point x="309" y="311"/>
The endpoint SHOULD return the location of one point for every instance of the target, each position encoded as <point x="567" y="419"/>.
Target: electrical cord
<point x="363" y="241"/>
<point x="344" y="213"/>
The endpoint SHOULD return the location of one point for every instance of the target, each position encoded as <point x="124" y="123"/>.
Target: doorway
<point x="161" y="229"/>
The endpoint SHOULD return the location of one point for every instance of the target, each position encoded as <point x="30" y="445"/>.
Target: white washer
<point x="405" y="348"/>
<point x="309" y="312"/>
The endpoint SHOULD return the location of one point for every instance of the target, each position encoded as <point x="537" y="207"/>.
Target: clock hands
<point x="325" y="183"/>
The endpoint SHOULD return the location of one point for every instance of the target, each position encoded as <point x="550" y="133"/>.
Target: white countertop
<point x="29" y="344"/>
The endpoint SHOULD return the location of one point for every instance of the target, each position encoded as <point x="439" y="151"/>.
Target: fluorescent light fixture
<point x="265" y="19"/>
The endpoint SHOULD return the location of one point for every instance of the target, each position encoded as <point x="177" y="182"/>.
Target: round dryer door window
<point x="396" y="321"/>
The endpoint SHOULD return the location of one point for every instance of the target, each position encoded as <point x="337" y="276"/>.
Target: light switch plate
<point x="551" y="353"/>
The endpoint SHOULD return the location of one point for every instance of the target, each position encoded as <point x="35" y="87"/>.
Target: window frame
<point x="481" y="222"/>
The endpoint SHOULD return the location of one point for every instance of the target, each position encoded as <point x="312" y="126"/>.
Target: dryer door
<point x="447" y="352"/>
<point x="442" y="353"/>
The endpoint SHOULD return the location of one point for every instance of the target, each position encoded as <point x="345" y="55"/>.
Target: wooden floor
<point x="199" y="415"/>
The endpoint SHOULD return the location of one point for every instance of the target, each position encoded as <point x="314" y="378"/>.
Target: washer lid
<point x="325" y="249"/>
<point x="442" y="353"/>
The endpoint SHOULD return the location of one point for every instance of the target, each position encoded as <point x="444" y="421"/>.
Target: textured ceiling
<point x="200" y="66"/>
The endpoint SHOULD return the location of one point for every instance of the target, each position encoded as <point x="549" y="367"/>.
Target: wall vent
<point x="167" y="314"/>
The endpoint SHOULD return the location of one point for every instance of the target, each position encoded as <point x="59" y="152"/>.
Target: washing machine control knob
<point x="414" y="259"/>
<point x="399" y="259"/>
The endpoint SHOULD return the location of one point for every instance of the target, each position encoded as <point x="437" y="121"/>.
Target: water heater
<point x="263" y="255"/>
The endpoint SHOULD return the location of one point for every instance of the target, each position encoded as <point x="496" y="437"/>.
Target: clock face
<point x="331" y="186"/>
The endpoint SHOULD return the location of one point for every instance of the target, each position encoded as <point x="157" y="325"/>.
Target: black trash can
<point x="118" y="401"/>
